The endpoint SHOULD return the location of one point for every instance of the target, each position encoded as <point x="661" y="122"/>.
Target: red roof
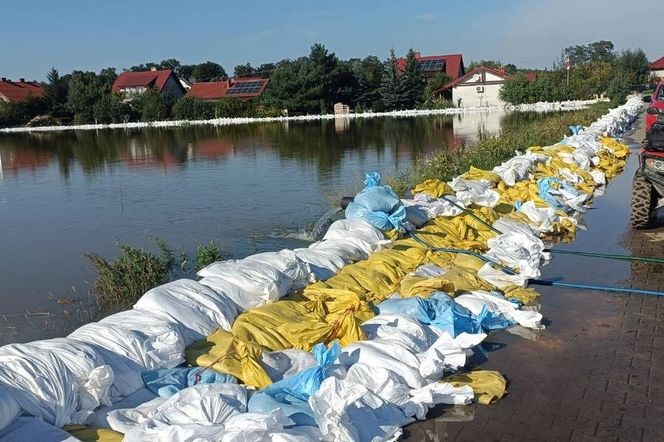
<point x="20" y="90"/>
<point x="153" y="79"/>
<point x="242" y="88"/>
<point x="657" y="65"/>
<point x="453" y="63"/>
<point x="478" y="69"/>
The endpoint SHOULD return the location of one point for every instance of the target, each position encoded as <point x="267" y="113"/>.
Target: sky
<point x="91" y="35"/>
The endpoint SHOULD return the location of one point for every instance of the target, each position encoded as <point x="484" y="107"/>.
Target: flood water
<point x="250" y="188"/>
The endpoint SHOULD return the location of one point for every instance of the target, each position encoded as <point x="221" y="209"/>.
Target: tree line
<point x="596" y="69"/>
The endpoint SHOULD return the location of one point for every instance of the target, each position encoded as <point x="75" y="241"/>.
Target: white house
<point x="165" y="82"/>
<point x="657" y="69"/>
<point x="477" y="88"/>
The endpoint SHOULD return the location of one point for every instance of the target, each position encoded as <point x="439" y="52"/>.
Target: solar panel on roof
<point x="432" y="65"/>
<point x="245" y="87"/>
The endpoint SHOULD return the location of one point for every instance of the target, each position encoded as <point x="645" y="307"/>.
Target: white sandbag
<point x="349" y="250"/>
<point x="495" y="303"/>
<point x="323" y="263"/>
<point x="196" y="309"/>
<point x="433" y="394"/>
<point x="475" y="192"/>
<point x="357" y="229"/>
<point x="516" y="250"/>
<point x="126" y="419"/>
<point x="195" y="413"/>
<point x="435" y="207"/>
<point x="33" y="429"/>
<point x="519" y="167"/>
<point x="250" y="427"/>
<point x="255" y="278"/>
<point x="131" y="342"/>
<point x="390" y="356"/>
<point x="242" y="299"/>
<point x="136" y="399"/>
<point x="500" y="279"/>
<point x="508" y="225"/>
<point x="447" y="354"/>
<point x="58" y="380"/>
<point x="287" y="262"/>
<point x="346" y="411"/>
<point x="283" y="363"/>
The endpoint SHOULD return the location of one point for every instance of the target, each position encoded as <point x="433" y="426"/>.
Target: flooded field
<point x="250" y="188"/>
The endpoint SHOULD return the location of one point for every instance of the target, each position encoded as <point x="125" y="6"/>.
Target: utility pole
<point x="568" y="66"/>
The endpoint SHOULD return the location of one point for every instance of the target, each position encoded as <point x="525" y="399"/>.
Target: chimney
<point x="153" y="69"/>
<point x="21" y="80"/>
<point x="418" y="55"/>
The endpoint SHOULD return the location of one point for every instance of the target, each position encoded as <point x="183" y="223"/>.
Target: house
<point x="450" y="65"/>
<point x="131" y="84"/>
<point x="478" y="88"/>
<point x="17" y="91"/>
<point x="657" y="69"/>
<point x="241" y="88"/>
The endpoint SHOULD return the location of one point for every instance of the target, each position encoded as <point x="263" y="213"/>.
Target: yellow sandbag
<point x="434" y="188"/>
<point x="93" y="434"/>
<point x="423" y="287"/>
<point x="479" y="174"/>
<point x="225" y="353"/>
<point x="488" y="386"/>
<point x="264" y="326"/>
<point x="526" y="296"/>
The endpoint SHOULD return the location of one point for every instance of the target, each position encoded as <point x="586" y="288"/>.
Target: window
<point x="660" y="94"/>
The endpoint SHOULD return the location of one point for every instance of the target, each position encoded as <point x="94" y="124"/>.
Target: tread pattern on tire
<point x="642" y="201"/>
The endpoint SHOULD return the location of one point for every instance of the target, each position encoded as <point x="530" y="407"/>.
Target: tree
<point x="488" y="63"/>
<point x="369" y="74"/>
<point x="413" y="80"/>
<point x="433" y="84"/>
<point x="593" y="52"/>
<point x="111" y="109"/>
<point x="208" y="71"/>
<point x="152" y="106"/>
<point x="393" y="93"/>
<point x="510" y="69"/>
<point x="185" y="71"/>
<point x="55" y="93"/>
<point x="243" y="70"/>
<point x="190" y="108"/>
<point x="618" y="88"/>
<point x="265" y="70"/>
<point x="634" y="65"/>
<point x="85" y="89"/>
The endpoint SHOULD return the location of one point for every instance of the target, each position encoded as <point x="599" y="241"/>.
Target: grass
<point x="491" y="150"/>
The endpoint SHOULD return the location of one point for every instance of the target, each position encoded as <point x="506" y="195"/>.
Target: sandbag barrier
<point x="383" y="331"/>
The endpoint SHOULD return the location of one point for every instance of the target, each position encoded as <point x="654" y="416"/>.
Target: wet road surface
<point x="597" y="371"/>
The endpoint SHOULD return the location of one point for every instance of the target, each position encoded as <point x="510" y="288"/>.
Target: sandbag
<point x="168" y="381"/>
<point x="287" y="262"/>
<point x="197" y="310"/>
<point x="256" y="278"/>
<point x="349" y="412"/>
<point x="272" y="426"/>
<point x="377" y="204"/>
<point x="28" y="428"/>
<point x="478" y="301"/>
<point x="131" y="342"/>
<point x="283" y="363"/>
<point x="59" y="380"/>
<point x="242" y="299"/>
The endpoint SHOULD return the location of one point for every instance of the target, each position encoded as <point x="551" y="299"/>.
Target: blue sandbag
<point x="440" y="311"/>
<point x="545" y="186"/>
<point x="291" y="394"/>
<point x="168" y="381"/>
<point x="377" y="204"/>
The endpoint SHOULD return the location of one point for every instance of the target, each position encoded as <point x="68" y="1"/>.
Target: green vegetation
<point x="596" y="69"/>
<point x="207" y="254"/>
<point x="121" y="281"/>
<point x="491" y="150"/>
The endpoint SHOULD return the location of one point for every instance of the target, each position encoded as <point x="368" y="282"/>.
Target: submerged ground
<point x="597" y="371"/>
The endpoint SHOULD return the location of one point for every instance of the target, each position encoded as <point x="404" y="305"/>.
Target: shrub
<point x="152" y="106"/>
<point x="233" y="108"/>
<point x="207" y="254"/>
<point x="122" y="281"/>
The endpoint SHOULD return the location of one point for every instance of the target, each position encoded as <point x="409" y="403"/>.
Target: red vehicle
<point x="648" y="183"/>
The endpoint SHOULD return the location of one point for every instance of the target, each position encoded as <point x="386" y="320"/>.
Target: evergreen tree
<point x="393" y="93"/>
<point x="55" y="93"/>
<point x="413" y="79"/>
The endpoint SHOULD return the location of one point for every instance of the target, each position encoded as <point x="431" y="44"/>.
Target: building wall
<point x="470" y="97"/>
<point x="659" y="74"/>
<point x="173" y="88"/>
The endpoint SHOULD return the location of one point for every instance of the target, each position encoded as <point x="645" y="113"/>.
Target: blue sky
<point x="91" y="35"/>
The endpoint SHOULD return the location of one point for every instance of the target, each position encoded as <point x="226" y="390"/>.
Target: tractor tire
<point x="643" y="201"/>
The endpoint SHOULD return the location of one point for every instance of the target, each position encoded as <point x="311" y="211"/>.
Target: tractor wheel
<point x="643" y="201"/>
